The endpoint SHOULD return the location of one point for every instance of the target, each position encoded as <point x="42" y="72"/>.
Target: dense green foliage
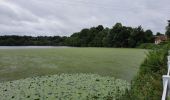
<point x="147" y="85"/>
<point x="117" y="36"/>
<point x="153" y="46"/>
<point x="64" y="87"/>
<point x="34" y="41"/>
<point x="18" y="63"/>
<point x="149" y="46"/>
<point x="168" y="29"/>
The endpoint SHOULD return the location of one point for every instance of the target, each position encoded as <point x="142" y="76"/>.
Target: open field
<point x="22" y="63"/>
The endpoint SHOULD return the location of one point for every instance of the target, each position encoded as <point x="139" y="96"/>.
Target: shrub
<point x="147" y="85"/>
<point x="149" y="46"/>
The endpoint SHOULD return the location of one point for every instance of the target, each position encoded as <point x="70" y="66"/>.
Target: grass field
<point x="22" y="63"/>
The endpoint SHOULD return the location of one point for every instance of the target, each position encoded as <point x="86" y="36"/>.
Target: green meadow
<point x="115" y="62"/>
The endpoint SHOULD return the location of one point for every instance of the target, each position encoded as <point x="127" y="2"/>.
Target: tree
<point x="149" y="36"/>
<point x="100" y="27"/>
<point x="98" y="39"/>
<point x="136" y="37"/>
<point x="168" y="29"/>
<point x="106" y="41"/>
<point x="158" y="34"/>
<point x="117" y="36"/>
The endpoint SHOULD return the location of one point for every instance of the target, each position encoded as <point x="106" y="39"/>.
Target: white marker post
<point x="166" y="81"/>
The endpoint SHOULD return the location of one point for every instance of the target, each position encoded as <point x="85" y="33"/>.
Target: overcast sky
<point x="63" y="17"/>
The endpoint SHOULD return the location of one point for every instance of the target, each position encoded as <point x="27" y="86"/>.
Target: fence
<point x="166" y="82"/>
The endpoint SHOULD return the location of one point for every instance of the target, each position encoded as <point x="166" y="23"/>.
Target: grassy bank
<point x="147" y="85"/>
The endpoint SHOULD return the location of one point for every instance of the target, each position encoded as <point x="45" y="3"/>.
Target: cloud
<point x="63" y="17"/>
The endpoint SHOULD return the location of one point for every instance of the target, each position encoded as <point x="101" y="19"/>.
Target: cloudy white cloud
<point x="63" y="17"/>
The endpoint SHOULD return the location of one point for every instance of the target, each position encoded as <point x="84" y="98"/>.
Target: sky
<point x="64" y="17"/>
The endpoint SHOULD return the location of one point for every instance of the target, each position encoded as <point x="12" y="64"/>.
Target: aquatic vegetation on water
<point x="64" y="87"/>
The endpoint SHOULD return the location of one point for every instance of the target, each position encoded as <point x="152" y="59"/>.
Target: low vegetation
<point x="149" y="46"/>
<point x="147" y="85"/>
<point x="22" y="63"/>
<point x="64" y="87"/>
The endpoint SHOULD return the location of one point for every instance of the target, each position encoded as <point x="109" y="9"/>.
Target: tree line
<point x="117" y="36"/>
<point x="15" y="40"/>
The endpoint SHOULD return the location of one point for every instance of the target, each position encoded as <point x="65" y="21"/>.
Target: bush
<point x="147" y="85"/>
<point x="148" y="46"/>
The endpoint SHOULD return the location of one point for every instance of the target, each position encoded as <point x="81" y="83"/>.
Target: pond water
<point x="31" y="47"/>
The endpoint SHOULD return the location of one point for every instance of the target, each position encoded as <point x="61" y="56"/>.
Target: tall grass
<point x="147" y="85"/>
